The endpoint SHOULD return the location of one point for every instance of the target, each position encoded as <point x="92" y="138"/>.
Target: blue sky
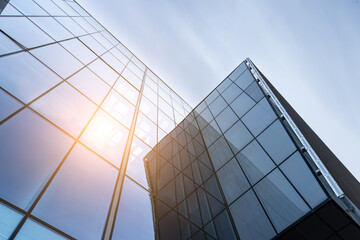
<point x="309" y="50"/>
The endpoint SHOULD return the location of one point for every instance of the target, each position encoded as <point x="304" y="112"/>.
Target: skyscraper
<point x="244" y="165"/>
<point x="93" y="145"/>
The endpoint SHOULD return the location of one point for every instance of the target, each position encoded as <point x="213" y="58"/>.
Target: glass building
<point x="93" y="145"/>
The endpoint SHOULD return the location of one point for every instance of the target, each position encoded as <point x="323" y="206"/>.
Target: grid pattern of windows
<point x="77" y="109"/>
<point x="230" y="170"/>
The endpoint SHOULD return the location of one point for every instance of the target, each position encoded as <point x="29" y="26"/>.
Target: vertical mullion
<point x="110" y="221"/>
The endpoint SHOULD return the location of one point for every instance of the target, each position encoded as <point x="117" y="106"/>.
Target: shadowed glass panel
<point x="9" y="219"/>
<point x="32" y="230"/>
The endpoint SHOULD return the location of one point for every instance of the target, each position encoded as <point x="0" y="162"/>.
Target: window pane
<point x="276" y="142"/>
<point x="126" y="90"/>
<point x="238" y="136"/>
<point x="113" y="62"/>
<point x="71" y="25"/>
<point x="299" y="174"/>
<point x="90" y="85"/>
<point x="232" y="92"/>
<point x="242" y="104"/>
<point x="58" y="59"/>
<point x="146" y="130"/>
<point x="217" y="106"/>
<point x="78" y="199"/>
<point x="25" y="77"/>
<point x="220" y="152"/>
<point x="280" y="200"/>
<point x="92" y="43"/>
<point x="52" y="27"/>
<point x="239" y="70"/>
<point x="66" y="107"/>
<point x="244" y="80"/>
<point x="148" y="109"/>
<point x="223" y="227"/>
<point x="165" y="122"/>
<point x="7" y="46"/>
<point x="27" y="157"/>
<point x="135" y="168"/>
<point x="119" y="107"/>
<point x="255" y="162"/>
<point x="32" y="230"/>
<point x="226" y="119"/>
<point x="134" y="217"/>
<point x="232" y="180"/>
<point x="106" y="136"/>
<point x="28" y="7"/>
<point x="9" y="219"/>
<point x="8" y="104"/>
<point x="103" y="71"/>
<point x="20" y="28"/>
<point x="250" y="219"/>
<point x="79" y="50"/>
<point x="259" y="117"/>
<point x="132" y="78"/>
<point x="254" y="91"/>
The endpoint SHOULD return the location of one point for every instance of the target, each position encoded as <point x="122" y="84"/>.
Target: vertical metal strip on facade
<point x="330" y="180"/>
<point x="110" y="222"/>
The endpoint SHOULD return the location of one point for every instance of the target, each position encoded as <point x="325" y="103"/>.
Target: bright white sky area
<point x="309" y="50"/>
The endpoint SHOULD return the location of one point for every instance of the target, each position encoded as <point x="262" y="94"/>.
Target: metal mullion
<point x="218" y="182"/>
<point x="16" y="231"/>
<point x="111" y="218"/>
<point x="25" y="49"/>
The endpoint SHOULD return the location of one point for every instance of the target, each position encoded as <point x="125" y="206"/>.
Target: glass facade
<point x="94" y="145"/>
<point x="76" y="105"/>
<point x="230" y="170"/>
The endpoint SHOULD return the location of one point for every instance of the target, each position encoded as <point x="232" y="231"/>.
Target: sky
<point x="309" y="50"/>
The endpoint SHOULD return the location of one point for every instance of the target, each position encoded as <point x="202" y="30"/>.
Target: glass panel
<point x="148" y="109"/>
<point x="78" y="199"/>
<point x="135" y="69"/>
<point x="259" y="117"/>
<point x="232" y="92"/>
<point x="146" y="130"/>
<point x="134" y="217"/>
<point x="226" y="119"/>
<point x="90" y="85"/>
<point x="150" y="94"/>
<point x="165" y="122"/>
<point x="220" y="152"/>
<point x="79" y="50"/>
<point x="223" y="227"/>
<point x="58" y="59"/>
<point x="21" y="28"/>
<point x="238" y="136"/>
<point x="239" y="70"/>
<point x="50" y="7"/>
<point x="101" y="39"/>
<point x="65" y="7"/>
<point x="66" y="107"/>
<point x="8" y="104"/>
<point x="282" y="147"/>
<point x="242" y="104"/>
<point x="113" y="62"/>
<point x="214" y="94"/>
<point x="232" y="180"/>
<point x="280" y="200"/>
<point x="254" y="91"/>
<point x="217" y="106"/>
<point x="84" y="24"/>
<point x="119" y="55"/>
<point x="28" y="7"/>
<point x="226" y="83"/>
<point x="299" y="174"/>
<point x="135" y="168"/>
<point x="119" y="107"/>
<point x="71" y="25"/>
<point x="128" y="91"/>
<point x="250" y="219"/>
<point x="25" y="77"/>
<point x="255" y="162"/>
<point x="24" y="172"/>
<point x="9" y="219"/>
<point x="166" y="108"/>
<point x="52" y="27"/>
<point x="106" y="136"/>
<point x="7" y="46"/>
<point x="132" y="78"/>
<point x="103" y="71"/>
<point x="244" y="80"/>
<point x="92" y="44"/>
<point x="32" y="230"/>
